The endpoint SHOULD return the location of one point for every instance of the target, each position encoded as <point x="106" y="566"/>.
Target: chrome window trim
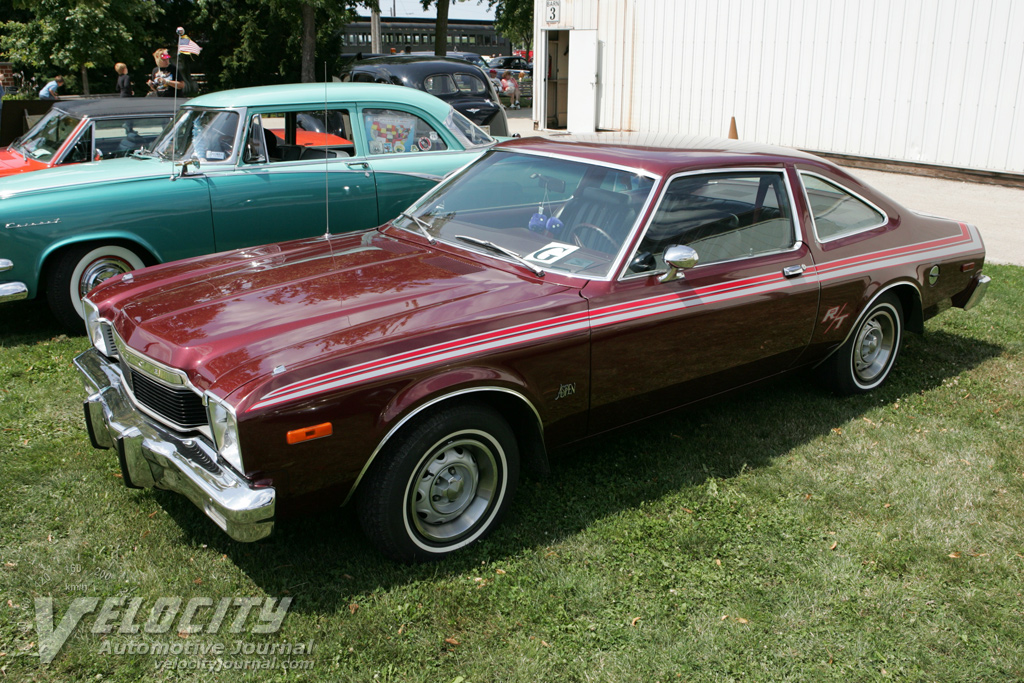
<point x="434" y="401"/>
<point x="625" y="275"/>
<point x="844" y="188"/>
<point x="124" y="351"/>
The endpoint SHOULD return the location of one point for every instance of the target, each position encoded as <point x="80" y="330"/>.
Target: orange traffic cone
<point x="733" y="135"/>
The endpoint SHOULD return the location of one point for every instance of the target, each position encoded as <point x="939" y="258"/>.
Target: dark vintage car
<point x="73" y="131"/>
<point x="414" y="368"/>
<point x="462" y="85"/>
<point x="510" y="63"/>
<point x="471" y="57"/>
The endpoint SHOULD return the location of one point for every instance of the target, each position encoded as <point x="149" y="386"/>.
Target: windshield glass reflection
<point x="556" y="214"/>
<point x="209" y="134"/>
<point x="47" y="136"/>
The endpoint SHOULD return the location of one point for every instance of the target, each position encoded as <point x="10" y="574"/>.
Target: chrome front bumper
<point x="11" y="291"/>
<point x="151" y="456"/>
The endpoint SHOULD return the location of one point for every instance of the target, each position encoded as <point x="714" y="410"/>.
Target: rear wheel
<point x="865" y="360"/>
<point x="77" y="270"/>
<point x="443" y="484"/>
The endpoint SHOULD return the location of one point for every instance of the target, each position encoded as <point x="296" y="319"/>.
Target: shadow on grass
<point x="28" y="322"/>
<point x="324" y="561"/>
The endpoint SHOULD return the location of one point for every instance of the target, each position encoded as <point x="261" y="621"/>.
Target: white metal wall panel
<point x="934" y="81"/>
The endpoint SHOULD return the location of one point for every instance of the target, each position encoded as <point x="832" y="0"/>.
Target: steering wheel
<point x="597" y="230"/>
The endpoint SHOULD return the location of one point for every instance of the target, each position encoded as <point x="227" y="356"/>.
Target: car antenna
<point x="327" y="166"/>
<point x="174" y="103"/>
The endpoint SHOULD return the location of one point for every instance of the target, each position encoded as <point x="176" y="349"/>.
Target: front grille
<point x="180" y="406"/>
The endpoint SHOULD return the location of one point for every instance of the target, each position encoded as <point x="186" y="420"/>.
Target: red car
<point x="413" y="368"/>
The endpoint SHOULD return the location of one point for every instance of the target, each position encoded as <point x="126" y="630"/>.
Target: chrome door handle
<point x="361" y="165"/>
<point x="793" y="271"/>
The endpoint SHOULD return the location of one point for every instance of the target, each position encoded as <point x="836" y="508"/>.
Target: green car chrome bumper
<point x="153" y="456"/>
<point x="11" y="291"/>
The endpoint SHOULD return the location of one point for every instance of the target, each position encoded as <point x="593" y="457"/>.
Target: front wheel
<point x="866" y="358"/>
<point x="443" y="484"/>
<point x="78" y="270"/>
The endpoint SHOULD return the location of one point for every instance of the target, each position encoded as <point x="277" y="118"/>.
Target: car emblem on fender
<point x="472" y="111"/>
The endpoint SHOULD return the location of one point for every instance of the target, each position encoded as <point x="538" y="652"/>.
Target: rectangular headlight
<point x="97" y="330"/>
<point x="224" y="428"/>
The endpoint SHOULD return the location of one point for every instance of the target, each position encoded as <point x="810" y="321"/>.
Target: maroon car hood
<point x="231" y="318"/>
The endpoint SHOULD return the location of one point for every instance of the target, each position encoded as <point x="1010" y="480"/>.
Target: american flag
<point x="186" y="44"/>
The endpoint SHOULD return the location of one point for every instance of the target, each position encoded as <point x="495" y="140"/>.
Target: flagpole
<point x="174" y="105"/>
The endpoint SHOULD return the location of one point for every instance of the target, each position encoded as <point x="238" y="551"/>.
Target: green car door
<point x="289" y="162"/>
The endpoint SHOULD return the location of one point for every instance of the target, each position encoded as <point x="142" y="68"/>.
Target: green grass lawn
<point x="776" y="534"/>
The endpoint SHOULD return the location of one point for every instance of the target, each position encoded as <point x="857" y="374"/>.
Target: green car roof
<point x="312" y="93"/>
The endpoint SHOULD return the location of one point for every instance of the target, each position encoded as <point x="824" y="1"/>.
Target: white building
<point x="928" y="81"/>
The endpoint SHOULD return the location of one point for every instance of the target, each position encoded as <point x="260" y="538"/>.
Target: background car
<point x="471" y="57"/>
<point x="238" y="167"/>
<point x="413" y="369"/>
<point x="510" y="63"/>
<point x="458" y="83"/>
<point x="73" y="131"/>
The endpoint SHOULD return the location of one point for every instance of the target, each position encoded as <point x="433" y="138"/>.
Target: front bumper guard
<point x="11" y="291"/>
<point x="152" y="456"/>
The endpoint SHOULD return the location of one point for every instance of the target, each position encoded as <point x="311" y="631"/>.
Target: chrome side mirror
<point x="193" y="163"/>
<point x="678" y="258"/>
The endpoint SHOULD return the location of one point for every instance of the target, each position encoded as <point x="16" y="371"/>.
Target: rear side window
<point x="838" y="212"/>
<point x="390" y="131"/>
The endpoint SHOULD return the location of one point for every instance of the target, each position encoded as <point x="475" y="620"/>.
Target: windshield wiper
<point x="422" y="225"/>
<point x="501" y="250"/>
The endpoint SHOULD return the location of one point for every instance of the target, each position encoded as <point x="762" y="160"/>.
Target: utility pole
<point x="375" y="45"/>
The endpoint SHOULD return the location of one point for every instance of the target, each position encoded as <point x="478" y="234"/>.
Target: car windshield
<point x="207" y="133"/>
<point x="47" y="136"/>
<point x="559" y="215"/>
<point x="468" y="133"/>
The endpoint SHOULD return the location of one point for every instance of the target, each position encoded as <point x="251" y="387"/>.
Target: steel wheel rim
<point x="874" y="346"/>
<point x="99" y="270"/>
<point x="455" y="487"/>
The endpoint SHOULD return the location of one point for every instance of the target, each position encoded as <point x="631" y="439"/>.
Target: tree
<point x="73" y="35"/>
<point x="514" y="20"/>
<point x="259" y="42"/>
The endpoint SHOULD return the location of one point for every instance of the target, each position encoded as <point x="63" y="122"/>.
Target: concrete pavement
<point x="996" y="210"/>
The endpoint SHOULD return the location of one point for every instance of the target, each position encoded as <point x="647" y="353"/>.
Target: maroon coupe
<point x="548" y="292"/>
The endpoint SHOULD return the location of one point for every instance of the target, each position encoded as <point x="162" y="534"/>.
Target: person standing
<point x="164" y="79"/>
<point x="49" y="91"/>
<point x="124" y="81"/>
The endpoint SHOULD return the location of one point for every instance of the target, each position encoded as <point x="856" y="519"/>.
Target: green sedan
<point x="235" y="168"/>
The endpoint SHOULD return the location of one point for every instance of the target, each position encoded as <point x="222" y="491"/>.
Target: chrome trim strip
<point x="625" y="275"/>
<point x="401" y="423"/>
<point x="844" y="188"/>
<point x="156" y="457"/>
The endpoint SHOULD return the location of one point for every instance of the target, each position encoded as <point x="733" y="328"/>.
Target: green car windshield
<point x="548" y="214"/>
<point x="47" y="136"/>
<point x="209" y="134"/>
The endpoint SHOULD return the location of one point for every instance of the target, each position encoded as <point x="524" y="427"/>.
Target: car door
<point x="408" y="153"/>
<point x="298" y="170"/>
<point x="745" y="312"/>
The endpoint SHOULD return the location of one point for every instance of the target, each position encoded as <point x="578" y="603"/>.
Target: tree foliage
<point x="71" y="35"/>
<point x="514" y="20"/>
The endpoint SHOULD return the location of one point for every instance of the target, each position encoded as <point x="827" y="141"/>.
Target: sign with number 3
<point x="554" y="11"/>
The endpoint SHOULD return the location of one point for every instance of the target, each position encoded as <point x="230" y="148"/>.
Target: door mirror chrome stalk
<point x="185" y="170"/>
<point x="678" y="258"/>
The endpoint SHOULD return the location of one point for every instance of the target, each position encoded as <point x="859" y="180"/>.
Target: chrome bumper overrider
<point x="153" y="456"/>
<point x="979" y="292"/>
<point x="11" y="291"/>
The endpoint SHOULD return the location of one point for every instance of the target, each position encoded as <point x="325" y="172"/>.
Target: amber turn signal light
<point x="309" y="433"/>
